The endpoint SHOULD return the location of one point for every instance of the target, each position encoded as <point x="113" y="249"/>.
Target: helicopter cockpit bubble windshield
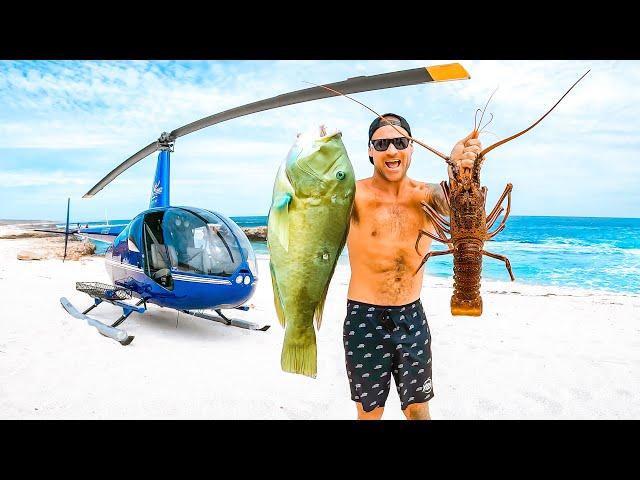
<point x="205" y="243"/>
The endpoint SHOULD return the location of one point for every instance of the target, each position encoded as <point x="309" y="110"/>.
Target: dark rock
<point x="255" y="233"/>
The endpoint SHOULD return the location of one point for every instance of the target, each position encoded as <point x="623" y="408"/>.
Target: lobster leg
<point x="440" y="225"/>
<point x="430" y="235"/>
<point x="439" y="232"/>
<point x="432" y="254"/>
<point x="491" y="221"/>
<point x="495" y="213"/>
<point x="445" y="189"/>
<point x="504" y="259"/>
<point x="506" y="192"/>
<point x="436" y="217"/>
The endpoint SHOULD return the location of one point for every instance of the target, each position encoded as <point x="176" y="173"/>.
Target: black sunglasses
<point x="382" y="144"/>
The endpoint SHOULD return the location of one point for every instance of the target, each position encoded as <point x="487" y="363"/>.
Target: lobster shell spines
<point x="467" y="267"/>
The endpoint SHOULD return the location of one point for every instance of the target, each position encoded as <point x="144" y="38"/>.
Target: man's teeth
<point x="394" y="164"/>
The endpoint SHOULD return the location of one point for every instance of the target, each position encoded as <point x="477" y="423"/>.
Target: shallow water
<point x="587" y="252"/>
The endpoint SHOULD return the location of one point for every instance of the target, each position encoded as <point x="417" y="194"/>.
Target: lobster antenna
<point x="475" y="118"/>
<point x="487" y="132"/>
<point x="433" y="150"/>
<point x="484" y="110"/>
<point x="485" y="125"/>
<point x="497" y="144"/>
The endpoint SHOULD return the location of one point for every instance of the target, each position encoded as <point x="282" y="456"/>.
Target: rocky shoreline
<point x="255" y="233"/>
<point x="24" y="229"/>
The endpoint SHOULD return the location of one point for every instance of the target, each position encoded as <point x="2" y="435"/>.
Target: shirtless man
<point x="386" y="333"/>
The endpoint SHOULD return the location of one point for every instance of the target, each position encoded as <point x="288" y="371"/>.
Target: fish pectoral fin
<point x="282" y="201"/>
<point x="280" y="224"/>
<point x="277" y="299"/>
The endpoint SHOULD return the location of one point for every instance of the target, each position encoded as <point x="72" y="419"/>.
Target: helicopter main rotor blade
<point x="129" y="162"/>
<point x="437" y="73"/>
<point x="414" y="76"/>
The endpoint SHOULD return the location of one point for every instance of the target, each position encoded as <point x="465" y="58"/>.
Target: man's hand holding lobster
<point x="463" y="155"/>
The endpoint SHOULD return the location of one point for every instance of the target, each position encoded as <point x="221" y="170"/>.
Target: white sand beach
<point x="536" y="353"/>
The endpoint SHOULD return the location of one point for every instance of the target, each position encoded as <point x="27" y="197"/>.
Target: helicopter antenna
<point x="66" y="231"/>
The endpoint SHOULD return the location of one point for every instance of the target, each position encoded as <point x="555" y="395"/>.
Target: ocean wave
<point x="575" y="246"/>
<point x="623" y="270"/>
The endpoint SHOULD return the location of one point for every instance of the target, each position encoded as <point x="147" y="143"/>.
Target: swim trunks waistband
<point x="388" y="307"/>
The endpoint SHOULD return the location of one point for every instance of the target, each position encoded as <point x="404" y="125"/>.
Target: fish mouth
<point x="393" y="165"/>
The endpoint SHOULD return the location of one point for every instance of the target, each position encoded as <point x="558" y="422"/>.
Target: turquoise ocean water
<point x="585" y="252"/>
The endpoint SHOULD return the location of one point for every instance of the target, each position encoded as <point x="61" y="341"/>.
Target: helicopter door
<point x="158" y="264"/>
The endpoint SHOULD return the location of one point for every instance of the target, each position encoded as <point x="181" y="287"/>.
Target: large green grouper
<point x="307" y="229"/>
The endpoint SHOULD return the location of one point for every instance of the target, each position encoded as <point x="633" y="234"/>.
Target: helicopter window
<point x="242" y="247"/>
<point x="132" y="240"/>
<point x="197" y="246"/>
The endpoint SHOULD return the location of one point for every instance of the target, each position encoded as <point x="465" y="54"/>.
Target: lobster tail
<point x="467" y="266"/>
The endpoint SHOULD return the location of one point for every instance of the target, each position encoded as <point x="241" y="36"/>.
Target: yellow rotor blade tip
<point x="451" y="71"/>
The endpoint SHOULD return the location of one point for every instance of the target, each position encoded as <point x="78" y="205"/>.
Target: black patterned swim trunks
<point x="380" y="342"/>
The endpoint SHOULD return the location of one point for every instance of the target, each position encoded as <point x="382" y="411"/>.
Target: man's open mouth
<point x="392" y="165"/>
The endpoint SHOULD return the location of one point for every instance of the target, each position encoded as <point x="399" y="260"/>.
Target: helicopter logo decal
<point x="156" y="191"/>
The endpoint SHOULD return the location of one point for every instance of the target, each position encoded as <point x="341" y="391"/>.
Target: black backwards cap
<point x="379" y="122"/>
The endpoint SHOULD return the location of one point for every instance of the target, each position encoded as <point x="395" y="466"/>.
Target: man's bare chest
<point x="391" y="219"/>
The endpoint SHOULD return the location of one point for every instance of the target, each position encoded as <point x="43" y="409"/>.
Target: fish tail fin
<point x="277" y="299"/>
<point x="301" y="359"/>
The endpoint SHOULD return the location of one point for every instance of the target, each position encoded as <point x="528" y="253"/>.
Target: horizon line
<point x="246" y="216"/>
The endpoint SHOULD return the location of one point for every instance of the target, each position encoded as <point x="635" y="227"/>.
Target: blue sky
<point x="65" y="124"/>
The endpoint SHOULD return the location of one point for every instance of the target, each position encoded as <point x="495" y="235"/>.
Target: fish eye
<point x="340" y="175"/>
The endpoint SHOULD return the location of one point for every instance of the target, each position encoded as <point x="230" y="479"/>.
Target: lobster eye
<point x="340" y="175"/>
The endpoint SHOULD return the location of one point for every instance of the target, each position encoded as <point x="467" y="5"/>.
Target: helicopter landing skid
<point x="233" y="322"/>
<point x="108" y="331"/>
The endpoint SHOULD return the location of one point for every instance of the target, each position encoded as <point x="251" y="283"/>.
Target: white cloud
<point x="27" y="178"/>
<point x="112" y="109"/>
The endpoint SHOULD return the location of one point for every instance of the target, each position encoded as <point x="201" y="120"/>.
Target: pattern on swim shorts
<point x="381" y="342"/>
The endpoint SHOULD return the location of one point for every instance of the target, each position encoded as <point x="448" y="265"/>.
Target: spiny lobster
<point x="468" y="226"/>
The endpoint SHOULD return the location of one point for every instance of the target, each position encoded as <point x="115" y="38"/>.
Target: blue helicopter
<point x="193" y="259"/>
<point x="185" y="258"/>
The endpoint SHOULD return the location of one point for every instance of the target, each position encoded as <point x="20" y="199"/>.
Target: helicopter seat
<point x="195" y="259"/>
<point x="173" y="255"/>
<point x="158" y="257"/>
